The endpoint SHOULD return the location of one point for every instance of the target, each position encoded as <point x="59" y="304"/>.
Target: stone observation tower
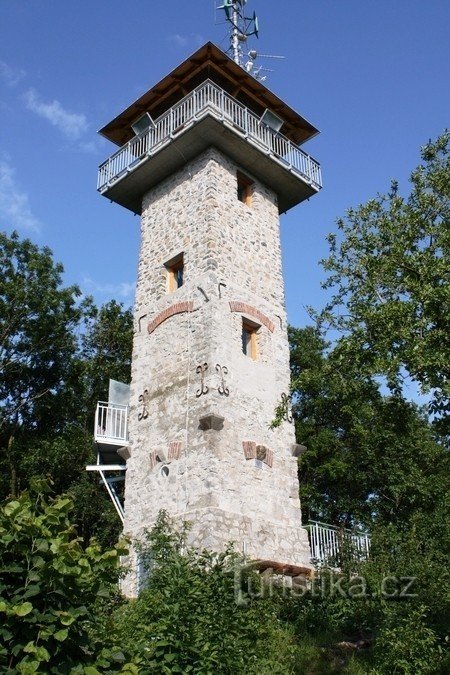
<point x="208" y="158"/>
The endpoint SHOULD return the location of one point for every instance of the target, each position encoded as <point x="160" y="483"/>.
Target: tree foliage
<point x="389" y="269"/>
<point x="57" y="354"/>
<point x="38" y="318"/>
<point x="106" y="353"/>
<point x="38" y="340"/>
<point x="50" y="586"/>
<point x="370" y="458"/>
<point x="199" y="613"/>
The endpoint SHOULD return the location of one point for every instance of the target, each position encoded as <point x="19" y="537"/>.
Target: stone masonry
<point x="204" y="451"/>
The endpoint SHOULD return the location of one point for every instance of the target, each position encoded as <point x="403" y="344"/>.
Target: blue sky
<point x="373" y="76"/>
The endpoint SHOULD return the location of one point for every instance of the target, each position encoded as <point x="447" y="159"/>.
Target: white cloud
<point x="10" y="75"/>
<point x="72" y="125"/>
<point x="179" y="40"/>
<point x="14" y="205"/>
<point x="123" y="289"/>
<point x="127" y="289"/>
<point x="90" y="147"/>
<point x="183" y="40"/>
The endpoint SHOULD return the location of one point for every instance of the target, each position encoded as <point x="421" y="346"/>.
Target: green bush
<point x="50" y="586"/>
<point x="196" y="615"/>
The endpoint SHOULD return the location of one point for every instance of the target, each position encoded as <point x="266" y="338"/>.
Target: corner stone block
<point x="124" y="452"/>
<point x="211" y="421"/>
<point x="298" y="449"/>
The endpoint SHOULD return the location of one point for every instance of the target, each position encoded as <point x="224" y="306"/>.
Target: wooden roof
<point x="208" y="62"/>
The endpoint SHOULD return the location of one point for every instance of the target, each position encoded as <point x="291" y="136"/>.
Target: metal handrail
<point x="208" y="99"/>
<point x="111" y="422"/>
<point x="328" y="543"/>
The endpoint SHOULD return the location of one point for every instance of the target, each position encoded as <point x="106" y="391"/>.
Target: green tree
<point x="370" y="458"/>
<point x="38" y="321"/>
<point x="106" y="353"/>
<point x="50" y="587"/>
<point x="389" y="269"/>
<point x="61" y="452"/>
<point x="62" y="459"/>
<point x="56" y="356"/>
<point x="376" y="458"/>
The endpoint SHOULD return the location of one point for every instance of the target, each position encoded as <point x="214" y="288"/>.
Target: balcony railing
<point x="208" y="99"/>
<point x="111" y="423"/>
<point x="331" y="545"/>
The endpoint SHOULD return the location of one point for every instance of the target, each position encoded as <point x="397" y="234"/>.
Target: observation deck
<point x="208" y="116"/>
<point x="209" y="101"/>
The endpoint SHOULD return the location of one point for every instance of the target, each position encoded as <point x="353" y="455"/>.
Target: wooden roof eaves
<point x="209" y="56"/>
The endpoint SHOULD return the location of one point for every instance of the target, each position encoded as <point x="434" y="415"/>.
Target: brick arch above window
<point x="177" y="308"/>
<point x="249" y="310"/>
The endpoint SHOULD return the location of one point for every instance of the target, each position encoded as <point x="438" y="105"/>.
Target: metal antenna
<point x="243" y="27"/>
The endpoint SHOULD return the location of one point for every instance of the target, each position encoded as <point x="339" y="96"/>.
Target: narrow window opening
<point x="249" y="339"/>
<point x="175" y="273"/>
<point x="244" y="189"/>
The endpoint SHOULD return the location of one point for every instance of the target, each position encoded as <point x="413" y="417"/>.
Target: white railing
<point x="210" y="99"/>
<point x="330" y="545"/>
<point x="111" y="423"/>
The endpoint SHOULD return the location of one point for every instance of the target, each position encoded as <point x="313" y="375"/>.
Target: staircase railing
<point x="330" y="545"/>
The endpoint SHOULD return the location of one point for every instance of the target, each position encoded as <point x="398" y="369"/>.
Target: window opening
<point x="249" y="340"/>
<point x="175" y="273"/>
<point x="244" y="189"/>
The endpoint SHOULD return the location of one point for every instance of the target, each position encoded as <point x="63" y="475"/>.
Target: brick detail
<point x="153" y="459"/>
<point x="264" y="454"/>
<point x="244" y="308"/>
<point x="268" y="458"/>
<point x="177" y="308"/>
<point x="174" y="450"/>
<point x="249" y="449"/>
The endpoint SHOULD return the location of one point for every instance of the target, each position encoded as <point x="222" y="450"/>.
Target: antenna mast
<point x="242" y="27"/>
<point x="235" y="35"/>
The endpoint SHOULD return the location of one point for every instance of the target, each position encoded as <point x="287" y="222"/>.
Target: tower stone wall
<point x="201" y="409"/>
